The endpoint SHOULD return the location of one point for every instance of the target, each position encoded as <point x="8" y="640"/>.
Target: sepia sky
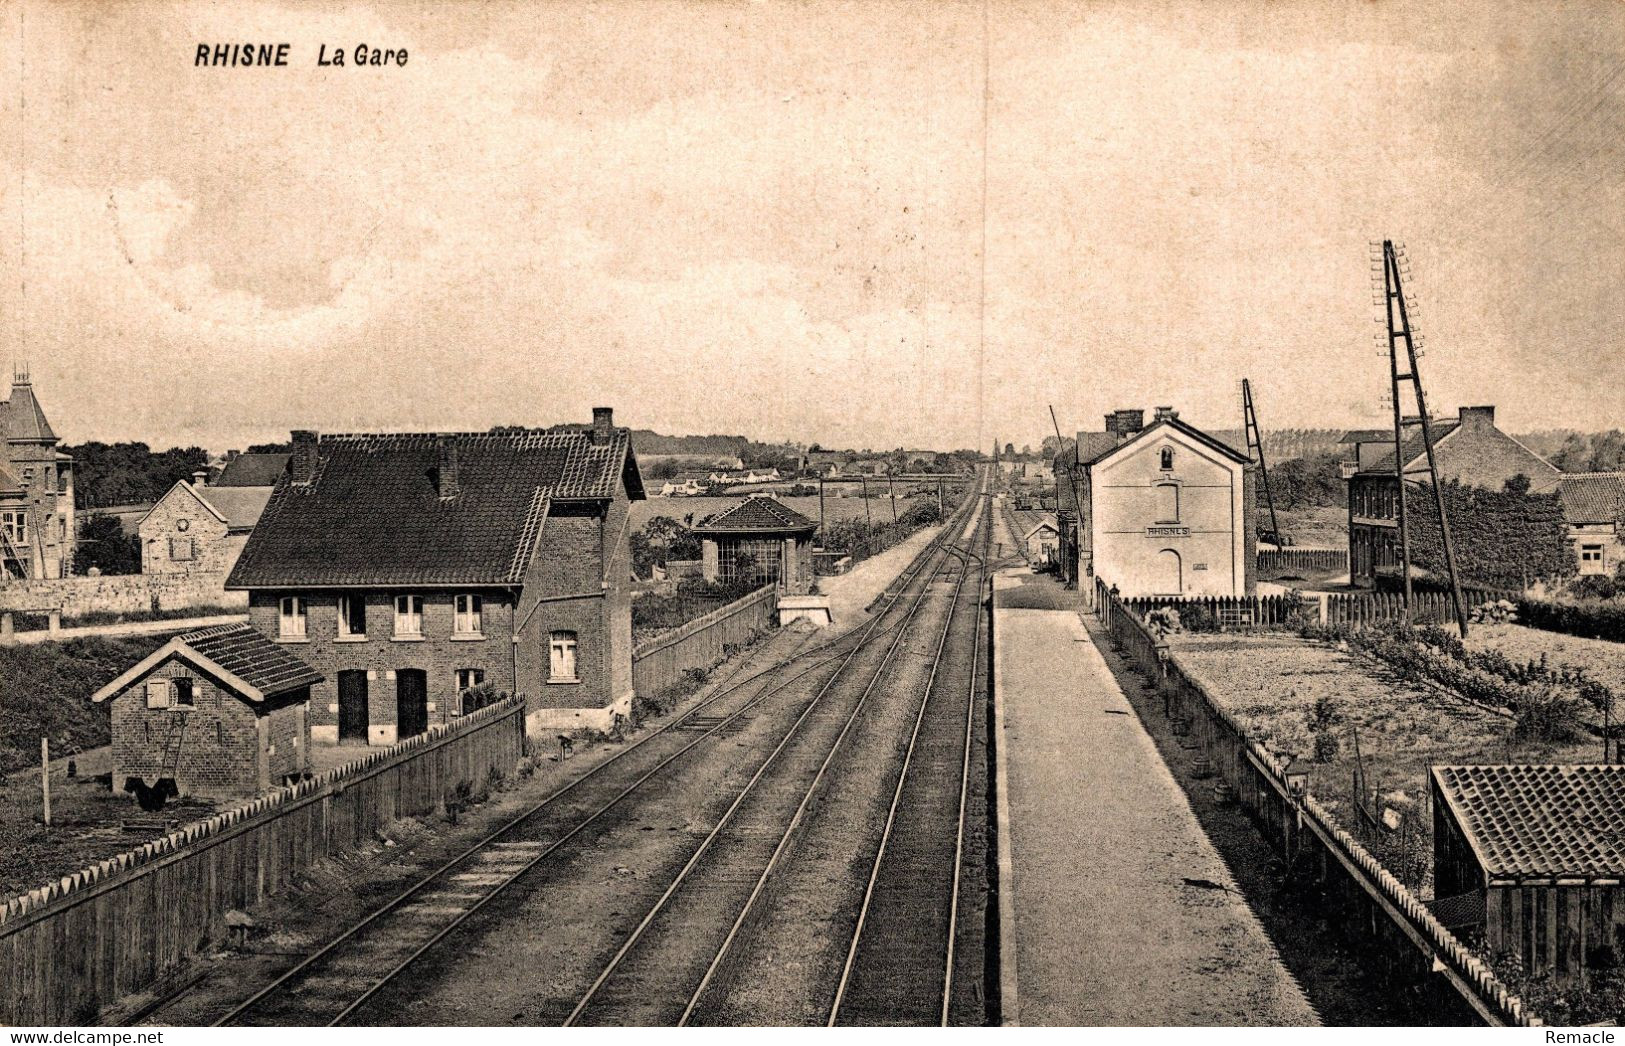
<point x="771" y="218"/>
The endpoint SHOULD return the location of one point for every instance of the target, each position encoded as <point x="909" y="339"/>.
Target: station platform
<point x="1116" y="909"/>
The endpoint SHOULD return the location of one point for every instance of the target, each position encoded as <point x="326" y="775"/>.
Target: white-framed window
<point x="157" y="693"/>
<point x="468" y="617"/>
<point x="1167" y="507"/>
<point x="184" y="695"/>
<point x="352" y="617"/>
<point x="409" y="615"/>
<point x="15" y="527"/>
<point x="1167" y="459"/>
<point x="1591" y="553"/>
<point x="561" y="657"/>
<point x="291" y="617"/>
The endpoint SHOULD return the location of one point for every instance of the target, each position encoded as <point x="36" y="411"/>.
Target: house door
<point x="411" y="703"/>
<point x="353" y="707"/>
<point x="1169" y="579"/>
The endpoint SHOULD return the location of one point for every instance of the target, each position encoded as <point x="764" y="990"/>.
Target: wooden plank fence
<point x="1360" y="894"/>
<point x="72" y="947"/>
<point x="1280" y="562"/>
<point x="661" y="661"/>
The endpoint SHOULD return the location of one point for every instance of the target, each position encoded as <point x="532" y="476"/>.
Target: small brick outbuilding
<point x="219" y="712"/>
<point x="758" y="540"/>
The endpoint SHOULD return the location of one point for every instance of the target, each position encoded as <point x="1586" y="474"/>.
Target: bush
<point x="1593" y="586"/>
<point x="1587" y="620"/>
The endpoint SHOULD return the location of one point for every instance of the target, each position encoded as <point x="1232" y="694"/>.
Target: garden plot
<point x="1285" y="691"/>
<point x="1600" y="659"/>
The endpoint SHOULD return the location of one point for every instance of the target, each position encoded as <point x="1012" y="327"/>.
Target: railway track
<point x="750" y="893"/>
<point x="334" y="984"/>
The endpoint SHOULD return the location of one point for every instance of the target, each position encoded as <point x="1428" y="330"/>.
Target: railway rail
<point x="335" y="983"/>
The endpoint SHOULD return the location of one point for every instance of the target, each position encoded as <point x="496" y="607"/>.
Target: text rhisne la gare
<point x="246" y="55"/>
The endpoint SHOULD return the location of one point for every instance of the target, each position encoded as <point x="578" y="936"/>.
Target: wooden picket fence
<point x="1358" y="893"/>
<point x="69" y="948"/>
<point x="1281" y="562"/>
<point x="661" y="661"/>
<point x="1354" y="609"/>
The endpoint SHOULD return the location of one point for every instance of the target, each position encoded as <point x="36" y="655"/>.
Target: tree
<point x="129" y="473"/>
<point x="1518" y="484"/>
<point x="103" y="544"/>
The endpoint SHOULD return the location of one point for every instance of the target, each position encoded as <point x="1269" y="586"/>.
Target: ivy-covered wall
<point x="1503" y="539"/>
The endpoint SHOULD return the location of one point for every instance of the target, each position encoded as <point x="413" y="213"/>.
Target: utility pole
<point x="1399" y="331"/>
<point x="867" y="516"/>
<point x="1255" y="449"/>
<point x="893" y="492"/>
<point x="820" y="508"/>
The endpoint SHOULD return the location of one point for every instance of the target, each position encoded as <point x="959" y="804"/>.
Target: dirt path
<point x="1125" y="913"/>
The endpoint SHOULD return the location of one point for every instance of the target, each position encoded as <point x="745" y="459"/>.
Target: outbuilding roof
<point x="252" y="470"/>
<point x="756" y="515"/>
<point x="1540" y="822"/>
<point x="239" y="655"/>
<point x="372" y="512"/>
<point x="1592" y="497"/>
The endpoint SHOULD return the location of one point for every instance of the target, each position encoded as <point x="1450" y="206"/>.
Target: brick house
<point x="37" y="527"/>
<point x="1594" y="508"/>
<point x="1469" y="449"/>
<point x="219" y="712"/>
<point x="1157" y="510"/>
<point x="408" y="568"/>
<point x="199" y="529"/>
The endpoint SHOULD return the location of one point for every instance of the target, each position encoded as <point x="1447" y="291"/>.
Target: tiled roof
<point x="754" y="515"/>
<point x="373" y="514"/>
<point x="1540" y="821"/>
<point x="1368" y="436"/>
<point x="1592" y="497"/>
<point x="242" y="506"/>
<point x="253" y="470"/>
<point x="246" y="653"/>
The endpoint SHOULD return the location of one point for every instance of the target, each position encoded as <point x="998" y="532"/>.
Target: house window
<point x="1591" y="559"/>
<point x="1167" y="503"/>
<point x="352" y="617"/>
<point x="14" y="525"/>
<point x="409" y="615"/>
<point x="157" y="693"/>
<point x="1167" y="459"/>
<point x="467" y="622"/>
<point x="180" y="549"/>
<point x="469" y="678"/>
<point x="561" y="664"/>
<point x="184" y="696"/>
<point x="291" y="618"/>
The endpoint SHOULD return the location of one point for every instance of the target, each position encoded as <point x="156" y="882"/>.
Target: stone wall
<point x="120" y="593"/>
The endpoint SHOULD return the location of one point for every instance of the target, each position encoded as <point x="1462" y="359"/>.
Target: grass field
<point x="1325" y="527"/>
<point x="45" y="691"/>
<point x="1601" y="659"/>
<point x="1272" y="682"/>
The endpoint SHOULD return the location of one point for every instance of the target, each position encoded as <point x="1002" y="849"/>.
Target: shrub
<point x="1593" y="586"/>
<point x="1587" y="620"/>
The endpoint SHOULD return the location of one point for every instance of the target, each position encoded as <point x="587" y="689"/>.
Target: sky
<point x="868" y="224"/>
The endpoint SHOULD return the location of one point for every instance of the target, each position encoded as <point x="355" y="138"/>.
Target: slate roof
<point x="1368" y="436"/>
<point x="1414" y="447"/>
<point x="1094" y="446"/>
<point x="1592" y="497"/>
<point x="21" y="417"/>
<point x="253" y="665"/>
<point x="1540" y="821"/>
<point x="372" y="514"/>
<point x="253" y="470"/>
<point x="242" y="506"/>
<point x="756" y="516"/>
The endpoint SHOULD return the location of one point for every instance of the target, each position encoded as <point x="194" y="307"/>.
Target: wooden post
<point x="893" y="492"/>
<point x="820" y="507"/>
<point x="45" y="776"/>
<point x="867" y="517"/>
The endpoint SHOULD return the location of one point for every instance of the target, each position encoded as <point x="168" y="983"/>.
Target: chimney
<point x="303" y="462"/>
<point x="603" y="425"/>
<point x="1481" y="417"/>
<point x="1166" y="414"/>
<point x="1125" y="423"/>
<point x="445" y="472"/>
<point x="200" y="478"/>
<point x="231" y="455"/>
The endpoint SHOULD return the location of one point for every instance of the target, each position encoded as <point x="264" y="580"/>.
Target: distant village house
<point x="37" y="527"/>
<point x="196" y="528"/>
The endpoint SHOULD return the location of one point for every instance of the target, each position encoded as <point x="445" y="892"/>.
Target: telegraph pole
<point x="1255" y="448"/>
<point x="1399" y="332"/>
